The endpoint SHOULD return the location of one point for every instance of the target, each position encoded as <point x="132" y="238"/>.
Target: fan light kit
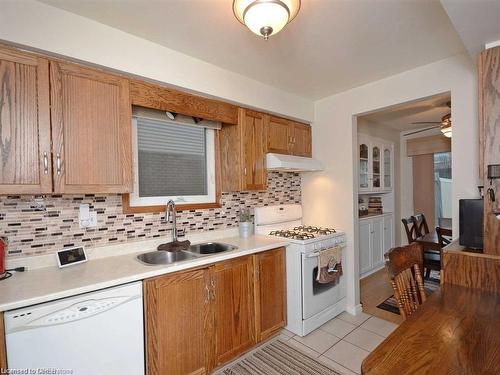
<point x="446" y="125"/>
<point x="265" y="17"/>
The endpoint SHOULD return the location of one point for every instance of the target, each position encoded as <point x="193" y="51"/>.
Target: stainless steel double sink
<point x="195" y="251"/>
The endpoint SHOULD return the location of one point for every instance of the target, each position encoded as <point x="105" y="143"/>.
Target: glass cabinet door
<point x="387" y="168"/>
<point x="363" y="166"/>
<point x="376" y="166"/>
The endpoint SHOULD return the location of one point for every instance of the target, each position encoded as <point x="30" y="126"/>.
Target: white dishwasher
<point x="90" y="334"/>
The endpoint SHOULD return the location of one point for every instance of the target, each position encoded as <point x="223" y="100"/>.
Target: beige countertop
<point x="49" y="283"/>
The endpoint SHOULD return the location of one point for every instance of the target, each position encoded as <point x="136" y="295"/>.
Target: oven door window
<point x="318" y="287"/>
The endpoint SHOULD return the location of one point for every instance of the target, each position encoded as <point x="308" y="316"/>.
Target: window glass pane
<point x="171" y="159"/>
<point x="442" y="187"/>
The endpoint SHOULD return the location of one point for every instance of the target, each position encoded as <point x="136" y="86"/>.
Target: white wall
<point x="329" y="197"/>
<point x="37" y="25"/>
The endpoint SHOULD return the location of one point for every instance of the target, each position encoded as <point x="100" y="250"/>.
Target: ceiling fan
<point x="444" y="124"/>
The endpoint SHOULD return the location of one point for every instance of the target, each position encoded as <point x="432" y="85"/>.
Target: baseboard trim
<point x="354" y="309"/>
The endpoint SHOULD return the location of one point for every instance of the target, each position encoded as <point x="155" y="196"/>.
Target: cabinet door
<point x="365" y="245"/>
<point x="376" y="161"/>
<point x="388" y="233"/>
<point x="179" y="323"/>
<point x="253" y="150"/>
<point x="301" y="140"/>
<point x="91" y="129"/>
<point x="279" y="135"/>
<point x="24" y="124"/>
<point x="233" y="307"/>
<point x="387" y="157"/>
<point x="270" y="292"/>
<point x="364" y="166"/>
<point x="3" y="349"/>
<point x="377" y="242"/>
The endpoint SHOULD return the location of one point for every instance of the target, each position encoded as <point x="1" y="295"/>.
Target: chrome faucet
<point x="170" y="213"/>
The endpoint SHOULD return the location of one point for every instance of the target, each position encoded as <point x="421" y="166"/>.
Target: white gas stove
<point x="309" y="303"/>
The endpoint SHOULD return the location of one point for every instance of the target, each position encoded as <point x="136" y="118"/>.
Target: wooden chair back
<point x="404" y="265"/>
<point x="421" y="226"/>
<point x="444" y="236"/>
<point x="410" y="228"/>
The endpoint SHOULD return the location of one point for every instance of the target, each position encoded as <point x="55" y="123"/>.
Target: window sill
<point x="127" y="209"/>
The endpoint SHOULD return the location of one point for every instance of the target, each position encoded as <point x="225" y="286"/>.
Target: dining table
<point x="455" y="331"/>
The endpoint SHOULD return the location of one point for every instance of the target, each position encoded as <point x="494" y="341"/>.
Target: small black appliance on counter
<point x="471" y="223"/>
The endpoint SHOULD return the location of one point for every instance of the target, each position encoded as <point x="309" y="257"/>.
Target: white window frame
<point x="210" y="197"/>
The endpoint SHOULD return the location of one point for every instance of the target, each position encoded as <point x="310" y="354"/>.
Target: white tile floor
<point x="343" y="342"/>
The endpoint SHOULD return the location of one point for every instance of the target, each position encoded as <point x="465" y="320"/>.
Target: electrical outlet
<point x="86" y="218"/>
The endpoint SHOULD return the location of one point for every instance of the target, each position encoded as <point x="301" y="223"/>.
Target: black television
<point x="471" y="223"/>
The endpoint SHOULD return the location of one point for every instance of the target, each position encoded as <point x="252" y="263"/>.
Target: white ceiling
<point x="331" y="46"/>
<point x="402" y="117"/>
<point x="476" y="21"/>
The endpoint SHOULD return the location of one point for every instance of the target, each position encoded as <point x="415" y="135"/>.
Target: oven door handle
<point x="316" y="253"/>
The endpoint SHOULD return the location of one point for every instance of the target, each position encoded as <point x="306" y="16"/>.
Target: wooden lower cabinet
<point x="233" y="308"/>
<point x="3" y="349"/>
<point x="199" y="319"/>
<point x="179" y="323"/>
<point x="270" y="292"/>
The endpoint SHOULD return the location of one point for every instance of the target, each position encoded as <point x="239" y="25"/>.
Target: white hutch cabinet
<point x="376" y="165"/>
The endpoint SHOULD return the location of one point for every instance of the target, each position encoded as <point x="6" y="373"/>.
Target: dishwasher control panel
<point x="79" y="311"/>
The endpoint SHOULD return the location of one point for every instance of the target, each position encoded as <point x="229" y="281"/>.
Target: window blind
<point x="171" y="159"/>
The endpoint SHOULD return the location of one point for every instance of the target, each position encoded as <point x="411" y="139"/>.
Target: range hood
<point x="289" y="163"/>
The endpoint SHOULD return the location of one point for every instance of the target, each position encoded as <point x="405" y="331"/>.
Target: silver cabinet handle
<point x="245" y="171"/>
<point x="58" y="163"/>
<point x="45" y="163"/>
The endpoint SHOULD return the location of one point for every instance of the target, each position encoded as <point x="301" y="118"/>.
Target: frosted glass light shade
<point x="265" y="17"/>
<point x="446" y="131"/>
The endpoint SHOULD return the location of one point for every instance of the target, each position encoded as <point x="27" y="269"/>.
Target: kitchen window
<point x="174" y="158"/>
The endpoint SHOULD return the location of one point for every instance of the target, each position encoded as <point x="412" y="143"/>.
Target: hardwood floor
<point x="375" y="289"/>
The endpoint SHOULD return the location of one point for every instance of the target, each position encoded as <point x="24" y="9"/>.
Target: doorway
<point x="420" y="175"/>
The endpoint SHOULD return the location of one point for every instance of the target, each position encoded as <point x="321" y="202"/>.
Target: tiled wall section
<point x="40" y="225"/>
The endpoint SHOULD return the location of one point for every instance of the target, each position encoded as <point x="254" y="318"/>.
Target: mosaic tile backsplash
<point x="36" y="225"/>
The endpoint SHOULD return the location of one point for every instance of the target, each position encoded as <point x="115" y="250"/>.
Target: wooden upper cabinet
<point x="270" y="292"/>
<point x="279" y="138"/>
<point x="91" y="130"/>
<point x="179" y="323"/>
<point x="243" y="152"/>
<point x="253" y="150"/>
<point x="301" y="140"/>
<point x="288" y="137"/>
<point x="24" y="124"/>
<point x="233" y="308"/>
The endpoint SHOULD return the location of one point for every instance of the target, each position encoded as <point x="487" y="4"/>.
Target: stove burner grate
<point x="303" y="232"/>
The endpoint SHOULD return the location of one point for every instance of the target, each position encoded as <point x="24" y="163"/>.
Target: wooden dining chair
<point x="410" y="229"/>
<point x="445" y="236"/>
<point x="404" y="265"/>
<point x="420" y="223"/>
<point x="432" y="258"/>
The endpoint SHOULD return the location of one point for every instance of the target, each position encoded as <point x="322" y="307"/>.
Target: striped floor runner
<point x="277" y="358"/>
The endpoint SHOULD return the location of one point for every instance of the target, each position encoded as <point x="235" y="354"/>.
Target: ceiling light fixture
<point x="265" y="17"/>
<point x="446" y="125"/>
